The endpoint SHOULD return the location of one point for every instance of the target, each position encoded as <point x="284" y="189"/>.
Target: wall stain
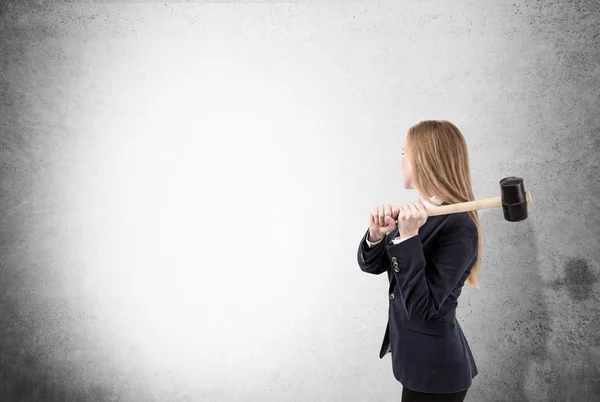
<point x="579" y="279"/>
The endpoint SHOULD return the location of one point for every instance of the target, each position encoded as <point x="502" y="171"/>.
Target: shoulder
<point x="460" y="223"/>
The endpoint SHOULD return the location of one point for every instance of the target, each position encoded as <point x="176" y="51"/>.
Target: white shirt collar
<point x="432" y="201"/>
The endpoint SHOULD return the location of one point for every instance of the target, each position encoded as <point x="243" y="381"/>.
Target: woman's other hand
<point x="410" y="218"/>
<point x="382" y="220"/>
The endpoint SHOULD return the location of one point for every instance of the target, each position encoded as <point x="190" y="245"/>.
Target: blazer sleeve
<point x="373" y="260"/>
<point x="455" y="250"/>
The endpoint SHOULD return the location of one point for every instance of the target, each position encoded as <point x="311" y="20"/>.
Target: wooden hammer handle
<point x="485" y="203"/>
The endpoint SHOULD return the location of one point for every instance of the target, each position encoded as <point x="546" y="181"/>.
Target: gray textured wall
<point x="183" y="189"/>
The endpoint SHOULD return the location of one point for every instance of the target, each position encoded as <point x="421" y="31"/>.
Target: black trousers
<point x="414" y="396"/>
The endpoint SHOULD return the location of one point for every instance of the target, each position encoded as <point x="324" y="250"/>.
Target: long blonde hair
<point x="440" y="165"/>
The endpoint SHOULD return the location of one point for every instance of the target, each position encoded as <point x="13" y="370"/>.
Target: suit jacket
<point x="426" y="274"/>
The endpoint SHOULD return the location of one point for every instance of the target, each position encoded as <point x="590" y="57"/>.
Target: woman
<point x="428" y="260"/>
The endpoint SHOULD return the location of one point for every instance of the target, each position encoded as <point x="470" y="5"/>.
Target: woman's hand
<point x="382" y="220"/>
<point x="410" y="218"/>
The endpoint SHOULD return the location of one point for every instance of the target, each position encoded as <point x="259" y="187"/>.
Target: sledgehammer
<point x="513" y="200"/>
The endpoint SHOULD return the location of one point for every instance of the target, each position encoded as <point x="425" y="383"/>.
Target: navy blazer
<point x="426" y="275"/>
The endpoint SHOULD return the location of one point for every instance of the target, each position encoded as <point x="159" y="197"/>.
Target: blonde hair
<point x="440" y="164"/>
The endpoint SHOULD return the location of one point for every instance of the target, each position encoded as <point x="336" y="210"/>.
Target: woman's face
<point x="407" y="174"/>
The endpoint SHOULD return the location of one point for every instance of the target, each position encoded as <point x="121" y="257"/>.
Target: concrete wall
<point x="183" y="189"/>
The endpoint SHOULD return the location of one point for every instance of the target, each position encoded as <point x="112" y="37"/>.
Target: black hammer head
<point x="514" y="201"/>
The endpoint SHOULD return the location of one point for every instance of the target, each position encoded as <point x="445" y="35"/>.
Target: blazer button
<point x="394" y="259"/>
<point x="396" y="268"/>
<point x="392" y="297"/>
